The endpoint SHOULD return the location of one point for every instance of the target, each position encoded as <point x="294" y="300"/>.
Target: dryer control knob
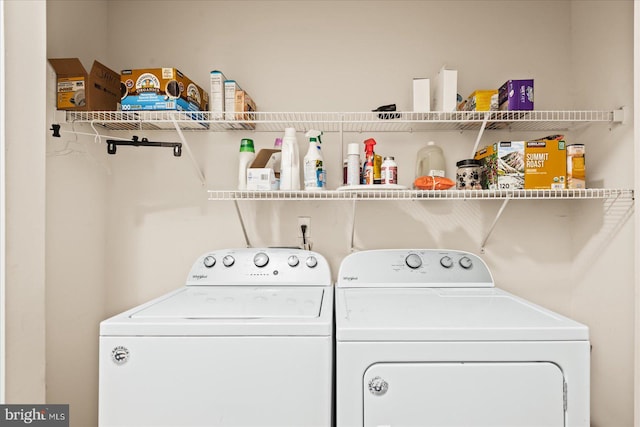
<point x="311" y="262"/>
<point x="378" y="386"/>
<point x="293" y="261"/>
<point x="261" y="259"/>
<point x="413" y="261"/>
<point x="209" y="261"/>
<point x="446" y="262"/>
<point x="465" y="262"/>
<point x="228" y="260"/>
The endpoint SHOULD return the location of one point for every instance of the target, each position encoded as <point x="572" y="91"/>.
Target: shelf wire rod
<point x="480" y="133"/>
<point x="495" y="221"/>
<point x="188" y="151"/>
<point x="244" y="229"/>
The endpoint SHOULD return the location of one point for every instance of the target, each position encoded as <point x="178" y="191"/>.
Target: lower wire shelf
<point x="589" y="193"/>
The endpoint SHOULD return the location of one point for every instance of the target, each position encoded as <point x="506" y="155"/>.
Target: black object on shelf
<point x="144" y="142"/>
<point x="385" y="108"/>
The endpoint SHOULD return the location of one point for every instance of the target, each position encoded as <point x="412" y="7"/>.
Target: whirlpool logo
<point x="349" y="278"/>
<point x="36" y="415"/>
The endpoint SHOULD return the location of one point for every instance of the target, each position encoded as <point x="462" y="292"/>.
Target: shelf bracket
<point x="353" y="224"/>
<point x="188" y="151"/>
<point x="480" y="133"/>
<point x="495" y="221"/>
<point x="244" y="229"/>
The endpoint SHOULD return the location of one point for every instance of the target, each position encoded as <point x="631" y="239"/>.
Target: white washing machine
<point x="423" y="338"/>
<point x="247" y="342"/>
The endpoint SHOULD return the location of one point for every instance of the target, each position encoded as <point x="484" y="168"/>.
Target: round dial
<point x="413" y="261"/>
<point x="228" y="260"/>
<point x="261" y="259"/>
<point x="465" y="262"/>
<point x="446" y="262"/>
<point x="311" y="262"/>
<point x="209" y="261"/>
<point x="293" y="261"/>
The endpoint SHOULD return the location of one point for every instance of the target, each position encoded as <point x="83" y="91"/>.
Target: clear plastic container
<point x="430" y="161"/>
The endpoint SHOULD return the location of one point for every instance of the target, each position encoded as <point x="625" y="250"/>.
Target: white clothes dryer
<point x="423" y="338"/>
<point x="247" y="342"/>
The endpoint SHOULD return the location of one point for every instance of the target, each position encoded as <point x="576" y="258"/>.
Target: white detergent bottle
<point x="247" y="155"/>
<point x="314" y="172"/>
<point x="290" y="162"/>
<point x="430" y="161"/>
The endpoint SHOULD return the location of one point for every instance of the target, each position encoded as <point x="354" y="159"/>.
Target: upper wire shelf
<point x="347" y="121"/>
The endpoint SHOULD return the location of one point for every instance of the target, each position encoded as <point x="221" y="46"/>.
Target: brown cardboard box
<point x="264" y="172"/>
<point x="97" y="91"/>
<point x="545" y="164"/>
<point x="161" y="89"/>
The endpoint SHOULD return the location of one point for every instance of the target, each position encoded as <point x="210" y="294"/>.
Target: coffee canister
<point x="468" y="174"/>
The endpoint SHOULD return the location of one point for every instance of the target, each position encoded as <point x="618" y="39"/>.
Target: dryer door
<point x="466" y="394"/>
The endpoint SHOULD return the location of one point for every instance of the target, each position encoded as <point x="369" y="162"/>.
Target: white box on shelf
<point x="217" y="96"/>
<point x="421" y="95"/>
<point x="445" y="90"/>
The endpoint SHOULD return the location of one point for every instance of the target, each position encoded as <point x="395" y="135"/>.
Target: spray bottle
<point x="369" y="160"/>
<point x="314" y="173"/>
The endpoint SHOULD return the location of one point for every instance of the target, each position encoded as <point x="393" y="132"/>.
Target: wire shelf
<point x="590" y="193"/>
<point x="345" y="122"/>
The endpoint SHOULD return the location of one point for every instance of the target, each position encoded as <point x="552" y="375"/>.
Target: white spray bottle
<point x="290" y="162"/>
<point x="314" y="172"/>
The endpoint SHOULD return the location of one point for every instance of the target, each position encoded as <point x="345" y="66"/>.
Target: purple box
<point x="516" y="95"/>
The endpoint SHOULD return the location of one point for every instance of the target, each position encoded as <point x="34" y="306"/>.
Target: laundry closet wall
<point x="123" y="229"/>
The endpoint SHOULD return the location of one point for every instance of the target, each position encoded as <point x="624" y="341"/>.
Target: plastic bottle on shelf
<point x="353" y="164"/>
<point x="247" y="155"/>
<point x="389" y="171"/>
<point x="430" y="161"/>
<point x="369" y="159"/>
<point x="290" y="162"/>
<point x="313" y="167"/>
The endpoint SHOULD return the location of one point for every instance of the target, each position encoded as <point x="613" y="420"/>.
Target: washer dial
<point x="261" y="259"/>
<point x="465" y="262"/>
<point x="209" y="261"/>
<point x="293" y="261"/>
<point x="446" y="261"/>
<point x="311" y="262"/>
<point x="413" y="261"/>
<point x="228" y="260"/>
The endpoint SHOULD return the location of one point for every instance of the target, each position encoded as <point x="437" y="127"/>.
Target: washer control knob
<point x="311" y="262"/>
<point x="378" y="386"/>
<point x="465" y="262"/>
<point x="228" y="260"/>
<point x="293" y="261"/>
<point x="446" y="261"/>
<point x="209" y="261"/>
<point x="261" y="259"/>
<point x="413" y="261"/>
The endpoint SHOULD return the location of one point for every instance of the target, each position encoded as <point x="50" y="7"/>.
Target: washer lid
<point x="236" y="302"/>
<point x="229" y="311"/>
<point x="438" y="314"/>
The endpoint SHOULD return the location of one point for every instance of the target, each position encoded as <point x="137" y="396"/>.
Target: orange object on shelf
<point x="433" y="183"/>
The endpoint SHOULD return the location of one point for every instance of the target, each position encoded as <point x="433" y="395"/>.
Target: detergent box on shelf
<point x="161" y="89"/>
<point x="99" y="90"/>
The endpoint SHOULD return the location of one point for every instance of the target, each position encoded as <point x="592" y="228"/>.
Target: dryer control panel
<point x="260" y="266"/>
<point x="414" y="268"/>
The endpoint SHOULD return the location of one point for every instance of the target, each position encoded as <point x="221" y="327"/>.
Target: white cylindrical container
<point x="353" y="164"/>
<point x="290" y="162"/>
<point x="247" y="155"/>
<point x="389" y="171"/>
<point x="430" y="161"/>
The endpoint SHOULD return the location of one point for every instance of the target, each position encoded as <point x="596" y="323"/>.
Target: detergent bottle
<point x="314" y="173"/>
<point x="369" y="161"/>
<point x="246" y="157"/>
<point x="290" y="161"/>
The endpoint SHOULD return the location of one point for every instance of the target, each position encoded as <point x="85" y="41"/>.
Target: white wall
<point x="25" y="25"/>
<point x="77" y="194"/>
<point x="135" y="221"/>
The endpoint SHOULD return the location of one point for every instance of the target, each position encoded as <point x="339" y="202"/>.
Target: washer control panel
<point x="414" y="268"/>
<point x="262" y="266"/>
